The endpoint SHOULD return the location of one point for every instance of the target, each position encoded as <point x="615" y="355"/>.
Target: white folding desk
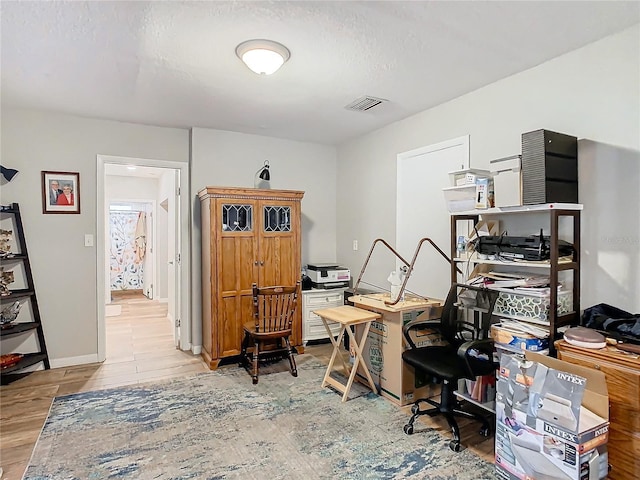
<point x="347" y="316"/>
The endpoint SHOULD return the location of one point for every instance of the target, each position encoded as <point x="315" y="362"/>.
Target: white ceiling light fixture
<point x="263" y="56"/>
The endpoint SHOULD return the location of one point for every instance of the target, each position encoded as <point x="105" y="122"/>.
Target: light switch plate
<point x="88" y="240"/>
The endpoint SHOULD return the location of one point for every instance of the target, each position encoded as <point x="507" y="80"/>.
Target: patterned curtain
<point x="127" y="269"/>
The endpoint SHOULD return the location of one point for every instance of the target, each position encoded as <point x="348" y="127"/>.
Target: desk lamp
<point x="8" y="173"/>
<point x="262" y="177"/>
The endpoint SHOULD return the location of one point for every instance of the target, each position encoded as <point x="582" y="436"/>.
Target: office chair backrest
<point x="467" y="312"/>
<point x="449" y="316"/>
<point x="274" y="307"/>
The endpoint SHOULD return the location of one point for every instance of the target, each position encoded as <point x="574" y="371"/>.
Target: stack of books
<point x="482" y="389"/>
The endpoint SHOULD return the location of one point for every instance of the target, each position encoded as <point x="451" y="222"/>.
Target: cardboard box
<point x="521" y="340"/>
<point x="507" y="179"/>
<point x="484" y="196"/>
<point x="382" y="350"/>
<point x="552" y="420"/>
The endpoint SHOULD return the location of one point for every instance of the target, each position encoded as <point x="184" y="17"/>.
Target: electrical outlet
<point x="355" y="245"/>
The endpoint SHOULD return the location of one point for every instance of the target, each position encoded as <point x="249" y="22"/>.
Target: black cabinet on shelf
<point x="15" y="364"/>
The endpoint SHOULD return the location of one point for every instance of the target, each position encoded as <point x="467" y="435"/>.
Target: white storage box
<point x="467" y="176"/>
<point x="533" y="307"/>
<point x="507" y="181"/>
<point x="460" y="199"/>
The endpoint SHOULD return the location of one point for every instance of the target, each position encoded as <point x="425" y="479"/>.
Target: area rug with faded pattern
<point x="218" y="425"/>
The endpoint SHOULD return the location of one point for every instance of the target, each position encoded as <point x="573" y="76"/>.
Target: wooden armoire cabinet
<point x="248" y="235"/>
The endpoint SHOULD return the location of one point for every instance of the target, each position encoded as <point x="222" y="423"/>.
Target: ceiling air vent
<point x="363" y="104"/>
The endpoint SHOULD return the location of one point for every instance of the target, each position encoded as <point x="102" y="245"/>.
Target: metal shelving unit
<point x="555" y="265"/>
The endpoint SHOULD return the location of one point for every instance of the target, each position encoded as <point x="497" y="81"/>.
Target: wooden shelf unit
<point x="14" y="372"/>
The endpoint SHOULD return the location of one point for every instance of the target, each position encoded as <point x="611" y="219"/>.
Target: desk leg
<point x="336" y="346"/>
<point x="358" y="356"/>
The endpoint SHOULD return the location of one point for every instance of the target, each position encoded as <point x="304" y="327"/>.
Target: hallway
<point x="140" y="345"/>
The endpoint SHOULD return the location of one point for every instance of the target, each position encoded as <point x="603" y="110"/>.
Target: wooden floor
<point x="140" y="348"/>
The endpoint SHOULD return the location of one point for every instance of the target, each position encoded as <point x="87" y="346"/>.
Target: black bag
<point x="613" y="322"/>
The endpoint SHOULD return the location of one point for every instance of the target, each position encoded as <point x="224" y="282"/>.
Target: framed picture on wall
<point x="60" y="192"/>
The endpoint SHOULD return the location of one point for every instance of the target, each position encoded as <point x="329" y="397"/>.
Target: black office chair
<point x="464" y="324"/>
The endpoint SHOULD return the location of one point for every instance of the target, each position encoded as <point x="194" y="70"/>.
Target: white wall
<point x="350" y="194"/>
<point x="230" y="159"/>
<point x="592" y="93"/>
<point x="64" y="270"/>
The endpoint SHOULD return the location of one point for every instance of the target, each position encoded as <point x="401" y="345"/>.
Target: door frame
<point x="464" y="142"/>
<point x="184" y="261"/>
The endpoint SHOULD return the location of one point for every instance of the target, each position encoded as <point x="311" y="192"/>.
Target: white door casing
<point x="150" y="281"/>
<point x="182" y="231"/>
<point x="175" y="263"/>
<point x="422" y="212"/>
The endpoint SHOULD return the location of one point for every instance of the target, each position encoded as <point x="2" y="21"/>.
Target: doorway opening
<point x="132" y="247"/>
<point x="143" y="265"/>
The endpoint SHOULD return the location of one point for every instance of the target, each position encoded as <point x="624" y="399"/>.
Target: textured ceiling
<point x="174" y="63"/>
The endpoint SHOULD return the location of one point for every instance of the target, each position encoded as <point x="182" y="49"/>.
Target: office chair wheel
<point x="485" y="431"/>
<point x="454" y="445"/>
<point x="415" y="409"/>
<point x="408" y="429"/>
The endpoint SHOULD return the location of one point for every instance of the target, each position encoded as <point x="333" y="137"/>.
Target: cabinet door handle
<point x="255" y="263"/>
<point x="261" y="264"/>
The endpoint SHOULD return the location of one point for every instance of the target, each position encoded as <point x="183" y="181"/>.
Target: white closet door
<point x="422" y="212"/>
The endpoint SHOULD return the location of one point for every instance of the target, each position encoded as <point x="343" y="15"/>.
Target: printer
<point x="531" y="248"/>
<point x="328" y="275"/>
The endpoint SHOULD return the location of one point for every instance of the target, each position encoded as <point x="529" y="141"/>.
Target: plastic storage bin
<point x="530" y="307"/>
<point x="460" y="199"/>
<point x="468" y="176"/>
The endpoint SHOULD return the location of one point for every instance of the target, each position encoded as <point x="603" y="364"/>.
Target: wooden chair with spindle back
<point x="273" y="315"/>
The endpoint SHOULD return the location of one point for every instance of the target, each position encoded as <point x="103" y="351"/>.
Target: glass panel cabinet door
<point x="237" y="218"/>
<point x="277" y="218"/>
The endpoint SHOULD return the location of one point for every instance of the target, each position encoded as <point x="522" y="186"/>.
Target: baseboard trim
<point x="71" y="361"/>
<point x="196" y="349"/>
<point x="163" y="300"/>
